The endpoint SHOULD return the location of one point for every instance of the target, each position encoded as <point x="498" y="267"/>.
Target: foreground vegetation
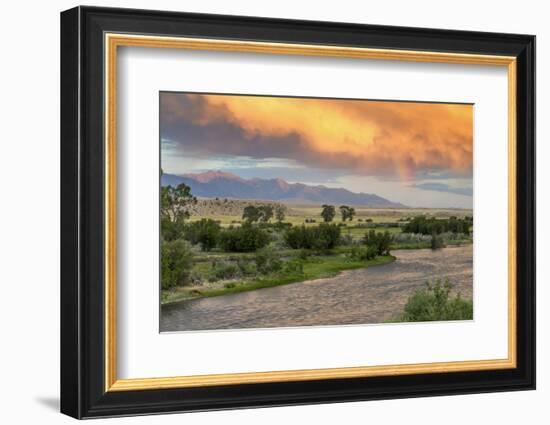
<point x="314" y="267"/>
<point x="435" y="303"/>
<point x="266" y="246"/>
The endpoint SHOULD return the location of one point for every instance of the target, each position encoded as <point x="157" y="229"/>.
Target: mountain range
<point x="219" y="184"/>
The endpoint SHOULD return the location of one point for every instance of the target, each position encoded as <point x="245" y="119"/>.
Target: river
<point x="370" y="295"/>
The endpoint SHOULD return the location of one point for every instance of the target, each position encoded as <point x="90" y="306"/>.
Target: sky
<point x="418" y="154"/>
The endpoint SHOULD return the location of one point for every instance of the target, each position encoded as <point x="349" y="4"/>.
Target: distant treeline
<point x="430" y="226"/>
<point x="323" y="236"/>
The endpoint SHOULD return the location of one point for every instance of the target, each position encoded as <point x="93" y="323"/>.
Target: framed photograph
<point x="261" y="212"/>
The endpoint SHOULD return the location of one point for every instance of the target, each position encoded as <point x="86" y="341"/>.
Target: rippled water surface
<point x="370" y="295"/>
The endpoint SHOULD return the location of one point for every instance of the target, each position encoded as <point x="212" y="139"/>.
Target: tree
<point x="344" y="212"/>
<point x="204" y="232"/>
<point x="251" y="213"/>
<point x="428" y="226"/>
<point x="328" y="212"/>
<point x="280" y="212"/>
<point x="323" y="237"/>
<point x="265" y="213"/>
<point x="176" y="263"/>
<point x="245" y="238"/>
<point x="175" y="202"/>
<point x="267" y="261"/>
<point x="171" y="231"/>
<point x="347" y="212"/>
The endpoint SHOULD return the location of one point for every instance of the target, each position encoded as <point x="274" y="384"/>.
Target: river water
<point x="361" y="296"/>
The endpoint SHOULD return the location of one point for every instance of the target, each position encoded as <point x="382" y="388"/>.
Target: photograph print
<point x="299" y="211"/>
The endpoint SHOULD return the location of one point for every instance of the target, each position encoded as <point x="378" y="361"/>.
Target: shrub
<point x="434" y="303"/>
<point x="436" y="242"/>
<point x="411" y="238"/>
<point x="246" y="268"/>
<point x="170" y="230"/>
<point x="277" y="239"/>
<point x="379" y="241"/>
<point x="267" y="261"/>
<point x="294" y="266"/>
<point x="225" y="270"/>
<point x="322" y="237"/>
<point x="204" y="232"/>
<point x="303" y="255"/>
<point x="245" y="238"/>
<point x="450" y="236"/>
<point x="363" y="253"/>
<point x="299" y="237"/>
<point x="326" y="236"/>
<point x="196" y="278"/>
<point x="346" y="240"/>
<point x="176" y="263"/>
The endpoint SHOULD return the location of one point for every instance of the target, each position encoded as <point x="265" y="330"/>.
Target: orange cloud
<point x="401" y="137"/>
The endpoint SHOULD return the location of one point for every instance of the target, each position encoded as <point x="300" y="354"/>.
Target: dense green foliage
<point x="262" y="213"/>
<point x="428" y="226"/>
<point x="204" y="232"/>
<point x="280" y="213"/>
<point x="175" y="201"/>
<point x="325" y="236"/>
<point x="266" y="213"/>
<point x="364" y="253"/>
<point x="381" y="242"/>
<point x="176" y="262"/>
<point x="174" y="204"/>
<point x="170" y="231"/>
<point x="347" y="212"/>
<point x="435" y="303"/>
<point x="251" y="213"/>
<point x="328" y="212"/>
<point x="225" y="270"/>
<point x="245" y="238"/>
<point x="267" y="261"/>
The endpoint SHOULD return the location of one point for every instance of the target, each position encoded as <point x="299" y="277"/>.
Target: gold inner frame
<point x="113" y="41"/>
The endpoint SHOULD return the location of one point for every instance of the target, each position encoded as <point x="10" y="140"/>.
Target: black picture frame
<point x="83" y="392"/>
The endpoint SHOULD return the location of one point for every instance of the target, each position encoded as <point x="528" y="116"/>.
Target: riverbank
<point x="360" y="296"/>
<point x="428" y="245"/>
<point x="313" y="268"/>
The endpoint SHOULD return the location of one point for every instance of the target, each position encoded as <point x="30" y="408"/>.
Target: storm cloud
<point x="369" y="138"/>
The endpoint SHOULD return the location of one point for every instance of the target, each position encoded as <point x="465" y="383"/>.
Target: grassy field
<point x="229" y="212"/>
<point x="378" y="215"/>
